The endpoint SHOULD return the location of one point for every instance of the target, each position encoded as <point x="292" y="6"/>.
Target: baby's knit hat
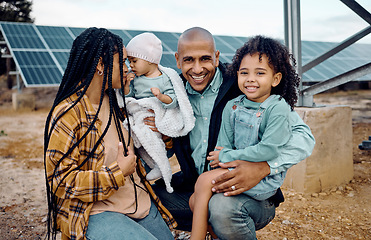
<point x="145" y="46"/>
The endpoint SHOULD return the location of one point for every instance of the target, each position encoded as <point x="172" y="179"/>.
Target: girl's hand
<point x="214" y="157"/>
<point x="127" y="163"/>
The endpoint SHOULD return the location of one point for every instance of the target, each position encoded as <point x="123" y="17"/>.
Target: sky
<point x="321" y="20"/>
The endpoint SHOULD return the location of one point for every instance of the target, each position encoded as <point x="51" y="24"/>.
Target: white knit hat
<point x="145" y="46"/>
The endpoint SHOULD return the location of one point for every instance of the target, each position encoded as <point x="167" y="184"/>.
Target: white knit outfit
<point x="173" y="122"/>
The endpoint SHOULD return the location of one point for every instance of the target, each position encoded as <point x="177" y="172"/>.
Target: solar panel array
<point x="41" y="52"/>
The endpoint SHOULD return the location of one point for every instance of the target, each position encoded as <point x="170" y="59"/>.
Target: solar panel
<point x="21" y="36"/>
<point x="169" y="41"/>
<point x="350" y="58"/>
<point x="75" y="31"/>
<point x="124" y="35"/>
<point x="56" y="37"/>
<point x="41" y="52"/>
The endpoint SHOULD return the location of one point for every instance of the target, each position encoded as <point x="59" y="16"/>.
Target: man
<point x="209" y="88"/>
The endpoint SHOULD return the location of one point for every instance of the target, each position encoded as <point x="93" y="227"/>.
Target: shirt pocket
<point x="245" y="128"/>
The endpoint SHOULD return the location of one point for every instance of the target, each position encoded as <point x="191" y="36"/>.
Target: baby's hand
<point x="162" y="97"/>
<point x="130" y="77"/>
<point x="155" y="91"/>
<point x="214" y="157"/>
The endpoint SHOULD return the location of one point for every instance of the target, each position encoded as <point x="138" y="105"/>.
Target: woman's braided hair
<point x="279" y="59"/>
<point x="88" y="48"/>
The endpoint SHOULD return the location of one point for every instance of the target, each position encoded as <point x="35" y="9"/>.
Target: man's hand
<point x="150" y="122"/>
<point x="243" y="177"/>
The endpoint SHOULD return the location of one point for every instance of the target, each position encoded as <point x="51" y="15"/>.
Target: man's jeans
<point x="238" y="217"/>
<point x="118" y="226"/>
<point x="235" y="217"/>
<point x="178" y="205"/>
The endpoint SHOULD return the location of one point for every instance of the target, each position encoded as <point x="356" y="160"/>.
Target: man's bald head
<point x="197" y="57"/>
<point x="196" y="34"/>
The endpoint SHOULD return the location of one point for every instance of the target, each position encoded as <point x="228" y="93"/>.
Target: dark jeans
<point x="178" y="205"/>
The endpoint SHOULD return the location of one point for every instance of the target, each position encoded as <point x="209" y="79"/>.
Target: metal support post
<point x="293" y="38"/>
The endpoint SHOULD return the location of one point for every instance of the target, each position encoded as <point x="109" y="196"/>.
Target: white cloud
<point x="328" y="20"/>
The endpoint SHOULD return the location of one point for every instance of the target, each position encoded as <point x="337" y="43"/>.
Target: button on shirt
<point x="202" y="104"/>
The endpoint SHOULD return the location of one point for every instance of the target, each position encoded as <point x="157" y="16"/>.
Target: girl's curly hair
<point x="279" y="59"/>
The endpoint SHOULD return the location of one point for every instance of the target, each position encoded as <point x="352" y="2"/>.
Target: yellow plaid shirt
<point x="93" y="182"/>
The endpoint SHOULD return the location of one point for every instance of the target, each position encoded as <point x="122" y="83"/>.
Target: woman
<point x="94" y="185"/>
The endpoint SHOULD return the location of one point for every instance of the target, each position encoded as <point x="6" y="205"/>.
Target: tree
<point x="16" y="11"/>
<point x="13" y="11"/>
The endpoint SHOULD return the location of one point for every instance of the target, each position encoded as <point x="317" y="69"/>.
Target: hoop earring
<point x="100" y="73"/>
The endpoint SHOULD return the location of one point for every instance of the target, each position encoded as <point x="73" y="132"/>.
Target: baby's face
<point x="139" y="66"/>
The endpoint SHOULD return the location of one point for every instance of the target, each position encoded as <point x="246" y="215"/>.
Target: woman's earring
<point x="100" y="73"/>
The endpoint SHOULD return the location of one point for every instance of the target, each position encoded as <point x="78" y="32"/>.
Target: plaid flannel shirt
<point x="94" y="181"/>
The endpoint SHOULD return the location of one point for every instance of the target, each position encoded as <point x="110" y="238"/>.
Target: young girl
<point x="255" y="125"/>
<point x="95" y="188"/>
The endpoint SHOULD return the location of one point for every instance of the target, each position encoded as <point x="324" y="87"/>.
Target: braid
<point x="116" y="113"/>
<point x="87" y="49"/>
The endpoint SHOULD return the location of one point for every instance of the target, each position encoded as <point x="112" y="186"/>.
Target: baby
<point x="144" y="53"/>
<point x="152" y="90"/>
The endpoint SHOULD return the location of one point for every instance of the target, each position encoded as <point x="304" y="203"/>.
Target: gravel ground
<point x="339" y="213"/>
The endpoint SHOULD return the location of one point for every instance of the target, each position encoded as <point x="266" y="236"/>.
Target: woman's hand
<point x="214" y="157"/>
<point x="127" y="163"/>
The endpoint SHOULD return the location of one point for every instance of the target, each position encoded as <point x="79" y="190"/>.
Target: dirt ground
<point x="343" y="212"/>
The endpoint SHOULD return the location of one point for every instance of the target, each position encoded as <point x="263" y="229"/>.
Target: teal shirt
<point x="141" y="86"/>
<point x="202" y="104"/>
<point x="274" y="132"/>
<point x="256" y="132"/>
<point x="299" y="147"/>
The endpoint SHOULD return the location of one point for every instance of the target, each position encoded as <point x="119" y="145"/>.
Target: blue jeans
<point x="235" y="217"/>
<point x="118" y="226"/>
<point x="238" y="217"/>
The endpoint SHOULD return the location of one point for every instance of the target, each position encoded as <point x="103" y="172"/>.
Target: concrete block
<point x="331" y="162"/>
<point x="23" y="101"/>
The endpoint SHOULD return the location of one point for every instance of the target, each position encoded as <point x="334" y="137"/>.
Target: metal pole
<point x="293" y="36"/>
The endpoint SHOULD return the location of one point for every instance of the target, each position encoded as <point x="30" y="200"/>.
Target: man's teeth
<point x="198" y="78"/>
